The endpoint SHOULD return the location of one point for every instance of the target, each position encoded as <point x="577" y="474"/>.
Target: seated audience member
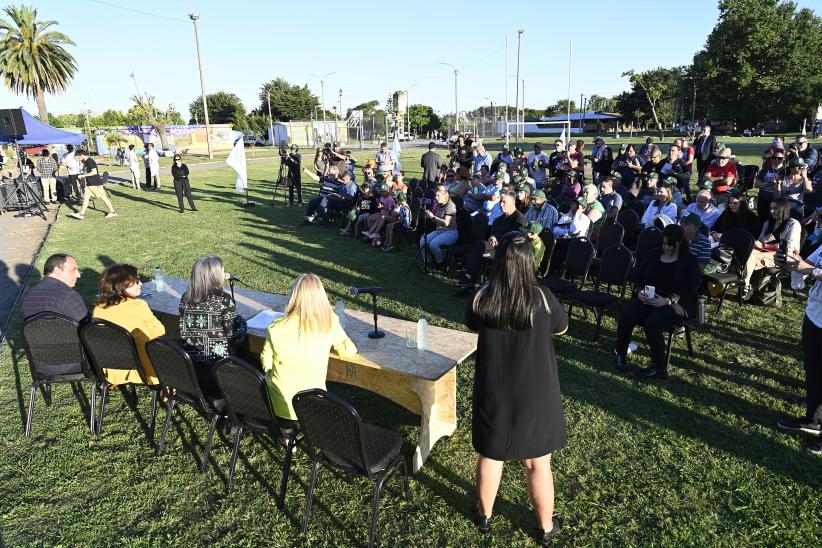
<point x="541" y="211"/>
<point x="735" y="215"/>
<point x="592" y="207"/>
<point x="647" y="193"/>
<point x="491" y="207"/>
<point x="698" y="243"/>
<point x="510" y="221"/>
<point x="611" y="200"/>
<point x="385" y="208"/>
<point x="602" y="157"/>
<point x="365" y="204"/>
<point x="340" y="202"/>
<point x="574" y="224"/>
<point x="399" y="182"/>
<point x="646" y="150"/>
<point x="765" y="181"/>
<point x="654" y="162"/>
<point x="505" y="157"/>
<point x="794" y="185"/>
<point x="673" y="166"/>
<point x="209" y="324"/>
<point x="674" y="275"/>
<point x="481" y="158"/>
<point x="392" y="216"/>
<point x="296" y="349"/>
<point x="523" y="198"/>
<point x="330" y="187"/>
<point x="662" y="205"/>
<point x="703" y="207"/>
<point x="628" y="166"/>
<point x="531" y="230"/>
<point x="401" y="223"/>
<point x="568" y="191"/>
<point x="621" y="189"/>
<point x="781" y="226"/>
<point x="722" y="173"/>
<point x="55" y="292"/>
<point x="119" y="303"/>
<point x="444" y="223"/>
<point x="475" y="196"/>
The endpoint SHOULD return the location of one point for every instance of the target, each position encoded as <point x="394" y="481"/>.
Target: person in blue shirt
<point x="481" y="158"/>
<point x="541" y="211"/>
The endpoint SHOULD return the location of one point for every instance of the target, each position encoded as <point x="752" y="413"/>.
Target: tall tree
<point x="288" y="101"/>
<point x="659" y="86"/>
<point x="154" y="116"/>
<point x="33" y="60"/>
<point x="760" y="62"/>
<point x="423" y="118"/>
<point x="223" y="108"/>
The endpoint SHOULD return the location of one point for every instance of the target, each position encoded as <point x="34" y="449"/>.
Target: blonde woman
<point x="295" y="355"/>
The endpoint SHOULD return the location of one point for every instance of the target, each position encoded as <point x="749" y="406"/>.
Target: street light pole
<point x="194" y="18"/>
<point x="322" y="99"/>
<point x="506" y="91"/>
<point x="339" y="110"/>
<point x="519" y="49"/>
<point x="270" y="118"/>
<point x="456" y="103"/>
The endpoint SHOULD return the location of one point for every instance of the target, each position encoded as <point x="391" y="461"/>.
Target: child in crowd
<point x="386" y="207"/>
<point x="387" y="218"/>
<point x="402" y="222"/>
<point x="365" y="204"/>
<point x="532" y="230"/>
<point x="398" y="183"/>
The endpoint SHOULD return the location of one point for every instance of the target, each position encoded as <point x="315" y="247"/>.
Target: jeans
<point x="334" y="204"/>
<point x="655" y="321"/>
<point x="74" y="187"/>
<point x="438" y="239"/>
<point x="481" y="250"/>
<point x="812" y="352"/>
<point x="313" y="205"/>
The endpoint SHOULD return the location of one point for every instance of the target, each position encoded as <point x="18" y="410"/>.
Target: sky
<point x="245" y="43"/>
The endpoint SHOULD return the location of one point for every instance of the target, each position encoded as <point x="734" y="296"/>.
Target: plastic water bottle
<point x="159" y="280"/>
<point x="339" y="310"/>
<point x="422" y="334"/>
<point x="702" y="311"/>
<point x="797" y="281"/>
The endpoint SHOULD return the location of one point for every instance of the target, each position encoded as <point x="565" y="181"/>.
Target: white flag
<point x="562" y="135"/>
<point x="396" y="149"/>
<point x="237" y="162"/>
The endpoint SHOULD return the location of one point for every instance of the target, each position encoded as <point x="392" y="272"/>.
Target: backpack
<point x="767" y="289"/>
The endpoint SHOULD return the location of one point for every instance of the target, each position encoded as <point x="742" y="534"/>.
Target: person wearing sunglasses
<point x="765" y="181"/>
<point x="179" y="171"/>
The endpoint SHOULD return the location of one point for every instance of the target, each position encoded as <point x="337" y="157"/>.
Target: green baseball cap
<point x="796" y="162"/>
<point x="400" y="196"/>
<point x="706" y="184"/>
<point x="518" y="151"/>
<point x="527" y="188"/>
<point x="691" y="219"/>
<point x="517" y="179"/>
<point x="669" y="181"/>
<point x="385" y="188"/>
<point x="532" y="226"/>
<point x="524" y="171"/>
<point x="653" y="175"/>
<point x="537" y="194"/>
<point x="499" y="175"/>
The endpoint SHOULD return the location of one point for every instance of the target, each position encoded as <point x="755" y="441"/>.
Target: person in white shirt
<point x="708" y="213"/>
<point x="537" y="162"/>
<point x="134" y="167"/>
<point x="152" y="160"/>
<point x="662" y="205"/>
<point x="73" y="168"/>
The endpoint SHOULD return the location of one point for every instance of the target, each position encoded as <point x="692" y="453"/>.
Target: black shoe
<point x="545" y="539"/>
<point x="181" y="210"/>
<point x="653" y="373"/>
<point x="465" y="282"/>
<point x="621" y="362"/>
<point x="800" y="425"/>
<point x="194" y="209"/>
<point x="483" y="523"/>
<point x="814" y="447"/>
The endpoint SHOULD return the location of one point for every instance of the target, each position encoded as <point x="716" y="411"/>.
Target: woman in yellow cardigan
<point x="119" y="288"/>
<point x="295" y="355"/>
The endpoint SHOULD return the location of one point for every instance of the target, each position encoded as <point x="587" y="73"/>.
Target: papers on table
<point x="264" y="319"/>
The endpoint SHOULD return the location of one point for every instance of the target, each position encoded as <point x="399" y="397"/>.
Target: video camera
<point x="283" y="152"/>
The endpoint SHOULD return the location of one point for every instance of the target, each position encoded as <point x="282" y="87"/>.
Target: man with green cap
<point x="700" y="244"/>
<point x="531" y="231"/>
<point x="648" y="192"/>
<point x="541" y="211"/>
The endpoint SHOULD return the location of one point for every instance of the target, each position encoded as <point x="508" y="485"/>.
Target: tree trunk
<point x="42" y="113"/>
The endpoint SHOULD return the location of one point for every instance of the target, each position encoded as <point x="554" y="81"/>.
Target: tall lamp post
<point x="194" y="18"/>
<point x="456" y="103"/>
<point x="322" y="98"/>
<point x="493" y="115"/>
<point x="519" y="48"/>
<point x="339" y="110"/>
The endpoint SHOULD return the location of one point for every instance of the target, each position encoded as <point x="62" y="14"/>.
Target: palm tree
<point x="33" y="60"/>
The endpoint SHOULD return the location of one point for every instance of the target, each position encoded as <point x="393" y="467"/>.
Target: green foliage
<point x="288" y="101"/>
<point x="110" y="118"/>
<point x="659" y="87"/>
<point x="558" y="108"/>
<point x="33" y="60"/>
<point x="223" y="108"/>
<point x="368" y="108"/>
<point x="761" y="62"/>
<point x="55" y="121"/>
<point x="423" y="118"/>
<point x="257" y="123"/>
<point x="597" y="103"/>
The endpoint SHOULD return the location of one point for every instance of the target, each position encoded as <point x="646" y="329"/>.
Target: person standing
<point x="294" y="163"/>
<point x="74" y="190"/>
<point x="537" y="162"/>
<point x="152" y="167"/>
<point x="93" y="186"/>
<point x="133" y="167"/>
<point x="704" y="150"/>
<point x="430" y="164"/>
<point x="182" y="187"/>
<point x="48" y="170"/>
<point x="517" y="405"/>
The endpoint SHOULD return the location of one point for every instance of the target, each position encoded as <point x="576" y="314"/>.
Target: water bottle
<point x="422" y="334"/>
<point x="797" y="281"/>
<point x="339" y="310"/>
<point x="159" y="280"/>
<point x="702" y="311"/>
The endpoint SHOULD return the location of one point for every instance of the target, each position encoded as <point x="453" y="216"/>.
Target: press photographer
<point x="292" y="159"/>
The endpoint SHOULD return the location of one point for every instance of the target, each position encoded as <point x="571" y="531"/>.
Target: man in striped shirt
<point x="699" y="243"/>
<point x="48" y="176"/>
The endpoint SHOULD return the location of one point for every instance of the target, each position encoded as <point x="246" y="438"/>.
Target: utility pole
<point x="195" y="17"/>
<point x="270" y="119"/>
<point x="456" y="102"/>
<point x="519" y="49"/>
<point x="506" y="91"/>
<point x="339" y="110"/>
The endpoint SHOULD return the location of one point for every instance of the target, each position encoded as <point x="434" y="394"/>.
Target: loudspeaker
<point x="12" y="125"/>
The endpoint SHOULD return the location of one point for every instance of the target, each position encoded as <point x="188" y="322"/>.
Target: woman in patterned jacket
<point x="209" y="324"/>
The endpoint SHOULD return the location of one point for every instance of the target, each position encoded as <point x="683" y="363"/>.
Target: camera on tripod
<point x="283" y="152"/>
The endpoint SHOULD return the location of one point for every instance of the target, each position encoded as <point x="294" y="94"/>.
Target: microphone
<point x="232" y="278"/>
<point x="369" y="290"/>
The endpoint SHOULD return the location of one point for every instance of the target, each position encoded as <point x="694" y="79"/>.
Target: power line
<point x="138" y="11"/>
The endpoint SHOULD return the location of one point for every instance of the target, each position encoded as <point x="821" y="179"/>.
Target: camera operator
<point x="330" y="187"/>
<point x="333" y="155"/>
<point x="463" y="153"/>
<point x="293" y="160"/>
<point x="802" y="149"/>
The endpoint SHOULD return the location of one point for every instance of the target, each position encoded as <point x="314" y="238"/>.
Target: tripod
<point x="423" y="251"/>
<point x="281" y="177"/>
<point x="23" y="193"/>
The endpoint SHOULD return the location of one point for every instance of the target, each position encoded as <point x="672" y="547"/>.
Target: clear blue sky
<point x="245" y="43"/>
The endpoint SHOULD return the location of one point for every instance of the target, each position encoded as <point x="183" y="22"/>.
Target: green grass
<point x="695" y="460"/>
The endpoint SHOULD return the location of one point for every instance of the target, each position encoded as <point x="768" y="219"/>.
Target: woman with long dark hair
<point x="781" y="226"/>
<point x="667" y="282"/>
<point x="517" y="406"/>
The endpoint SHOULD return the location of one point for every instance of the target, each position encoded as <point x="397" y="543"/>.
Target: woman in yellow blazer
<point x="295" y="355"/>
<point x="119" y="288"/>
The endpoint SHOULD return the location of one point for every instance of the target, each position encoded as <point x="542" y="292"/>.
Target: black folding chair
<point x="248" y="403"/>
<point x="741" y="243"/>
<point x="550" y="243"/>
<point x="610" y="235"/>
<point x="629" y="219"/>
<point x="613" y="275"/>
<point x="110" y="346"/>
<point x="649" y="239"/>
<point x="674" y="333"/>
<point x="470" y="229"/>
<point x="409" y="234"/>
<point x="338" y="438"/>
<point x="575" y="270"/>
<point x="175" y="370"/>
<point x="55" y="355"/>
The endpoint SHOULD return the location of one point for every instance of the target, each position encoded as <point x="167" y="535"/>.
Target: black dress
<point x="517" y="403"/>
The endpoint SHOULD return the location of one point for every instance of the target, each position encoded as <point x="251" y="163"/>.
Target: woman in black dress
<point x="674" y="275"/>
<point x="517" y="406"/>
<point x="181" y="185"/>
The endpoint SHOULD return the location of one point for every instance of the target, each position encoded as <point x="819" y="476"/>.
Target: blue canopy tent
<point x="38" y="133"/>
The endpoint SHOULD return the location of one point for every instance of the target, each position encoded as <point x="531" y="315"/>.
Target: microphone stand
<point x="231" y="286"/>
<point x="376" y="334"/>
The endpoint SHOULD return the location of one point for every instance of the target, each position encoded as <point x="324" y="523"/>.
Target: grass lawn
<point x="695" y="460"/>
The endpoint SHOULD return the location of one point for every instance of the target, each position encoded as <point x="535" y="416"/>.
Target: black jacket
<point x="706" y="153"/>
<point x="681" y="287"/>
